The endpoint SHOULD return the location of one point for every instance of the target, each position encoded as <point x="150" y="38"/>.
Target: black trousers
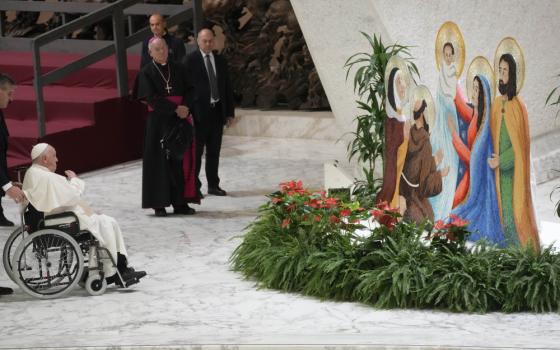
<point x="209" y="134"/>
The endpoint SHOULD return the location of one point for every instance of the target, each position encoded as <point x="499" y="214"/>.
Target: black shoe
<point x="130" y="277"/>
<point x="6" y="290"/>
<point x="5" y="222"/>
<point x="186" y="210"/>
<point x="216" y="191"/>
<point x="160" y="212"/>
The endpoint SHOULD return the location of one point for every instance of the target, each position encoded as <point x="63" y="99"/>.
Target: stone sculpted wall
<point x="270" y="64"/>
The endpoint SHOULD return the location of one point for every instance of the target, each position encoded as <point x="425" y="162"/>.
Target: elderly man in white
<point x="51" y="193"/>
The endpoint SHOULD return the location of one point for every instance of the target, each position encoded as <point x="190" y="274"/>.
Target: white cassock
<point x="51" y="193"/>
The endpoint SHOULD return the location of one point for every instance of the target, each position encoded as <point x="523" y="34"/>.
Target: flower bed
<point x="307" y="242"/>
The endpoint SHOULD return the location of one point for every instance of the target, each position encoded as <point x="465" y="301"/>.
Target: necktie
<point x="213" y="81"/>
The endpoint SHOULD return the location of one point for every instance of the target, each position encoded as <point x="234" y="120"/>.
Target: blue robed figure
<point x="480" y="207"/>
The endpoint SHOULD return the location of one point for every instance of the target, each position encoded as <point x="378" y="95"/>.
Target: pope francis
<point x="51" y="193"/>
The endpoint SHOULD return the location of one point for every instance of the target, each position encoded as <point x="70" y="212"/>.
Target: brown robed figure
<point x="420" y="178"/>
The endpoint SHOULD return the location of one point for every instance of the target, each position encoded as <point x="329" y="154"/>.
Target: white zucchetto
<point x="38" y="149"/>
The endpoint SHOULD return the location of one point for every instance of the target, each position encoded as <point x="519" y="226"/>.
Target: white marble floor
<point x="191" y="299"/>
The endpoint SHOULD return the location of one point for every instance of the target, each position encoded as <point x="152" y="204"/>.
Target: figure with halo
<point x="511" y="140"/>
<point x="475" y="199"/>
<point x="397" y="124"/>
<point x="420" y="179"/>
<point x="450" y="57"/>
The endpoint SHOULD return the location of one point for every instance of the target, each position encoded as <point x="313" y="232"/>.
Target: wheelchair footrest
<point x="131" y="282"/>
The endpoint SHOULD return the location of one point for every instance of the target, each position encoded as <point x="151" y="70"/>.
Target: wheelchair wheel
<point x="53" y="264"/>
<point x="15" y="238"/>
<point x="95" y="285"/>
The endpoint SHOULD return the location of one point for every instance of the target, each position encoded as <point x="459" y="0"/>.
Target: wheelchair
<point x="48" y="256"/>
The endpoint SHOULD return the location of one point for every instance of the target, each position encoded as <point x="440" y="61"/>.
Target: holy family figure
<point x="461" y="156"/>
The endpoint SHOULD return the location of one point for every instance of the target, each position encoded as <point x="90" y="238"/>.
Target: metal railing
<point x="117" y="11"/>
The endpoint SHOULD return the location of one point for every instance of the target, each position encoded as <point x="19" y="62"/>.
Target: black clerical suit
<point x="209" y="117"/>
<point x="162" y="178"/>
<point x="4" y="178"/>
<point x="175" y="45"/>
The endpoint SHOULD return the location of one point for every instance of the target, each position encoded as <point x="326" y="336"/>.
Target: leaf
<point x="550" y="95"/>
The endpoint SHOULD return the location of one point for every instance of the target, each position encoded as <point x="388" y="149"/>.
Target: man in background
<point x="212" y="105"/>
<point x="176" y="47"/>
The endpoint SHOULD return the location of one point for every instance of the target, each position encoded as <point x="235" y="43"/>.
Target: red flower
<point x="457" y="221"/>
<point x="440" y="225"/>
<point x="292" y="187"/>
<point x="334" y="219"/>
<point x="376" y="213"/>
<point x="291" y="207"/>
<point x="390" y="223"/>
<point x="331" y="202"/>
<point x="383" y="205"/>
<point x="314" y="203"/>
<point x="317" y="218"/>
<point x="345" y="212"/>
<point x="286" y="222"/>
<point x="276" y="200"/>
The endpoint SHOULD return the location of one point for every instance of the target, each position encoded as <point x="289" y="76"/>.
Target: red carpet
<point x="85" y="120"/>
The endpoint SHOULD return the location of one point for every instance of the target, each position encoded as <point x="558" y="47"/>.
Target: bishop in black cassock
<point x="166" y="179"/>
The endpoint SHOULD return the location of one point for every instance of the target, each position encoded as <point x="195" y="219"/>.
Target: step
<point x="61" y="102"/>
<point x="19" y="65"/>
<point x="24" y="134"/>
<point x="319" y="125"/>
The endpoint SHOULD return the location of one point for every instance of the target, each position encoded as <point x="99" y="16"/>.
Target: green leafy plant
<point x="368" y="141"/>
<point x="307" y="242"/>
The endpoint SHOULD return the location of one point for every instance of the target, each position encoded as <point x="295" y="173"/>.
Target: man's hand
<point x="16" y="194"/>
<point x="494" y="161"/>
<point x="229" y="121"/>
<point x="402" y="205"/>
<point x="182" y="111"/>
<point x="70" y="174"/>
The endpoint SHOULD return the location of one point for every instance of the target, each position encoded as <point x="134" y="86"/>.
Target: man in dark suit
<point x="212" y="105"/>
<point x="7" y="88"/>
<point x="176" y="47"/>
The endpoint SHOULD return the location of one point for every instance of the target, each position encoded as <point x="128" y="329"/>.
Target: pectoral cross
<point x="168" y="88"/>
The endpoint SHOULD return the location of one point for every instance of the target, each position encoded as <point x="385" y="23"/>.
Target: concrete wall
<point x="331" y="29"/>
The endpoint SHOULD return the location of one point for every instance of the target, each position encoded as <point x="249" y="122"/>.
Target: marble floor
<point x="191" y="299"/>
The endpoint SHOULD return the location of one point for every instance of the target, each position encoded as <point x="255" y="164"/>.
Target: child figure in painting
<point x="440" y="137"/>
